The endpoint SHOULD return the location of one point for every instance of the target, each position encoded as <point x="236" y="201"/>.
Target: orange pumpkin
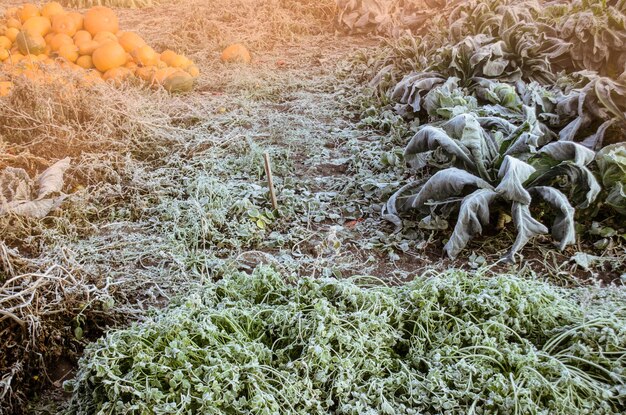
<point x="32" y="74"/>
<point x="11" y="33"/>
<point x="104" y="37"/>
<point x="117" y="75"/>
<point x="180" y="62"/>
<point x="68" y="52"/>
<point x="4" y="54"/>
<point x="82" y="36"/>
<point x="236" y="53"/>
<point x="5" y="42"/>
<point x="100" y="19"/>
<point x="85" y="62"/>
<point x="108" y="56"/>
<point x="146" y="73"/>
<point x="145" y="56"/>
<point x="131" y="65"/>
<point x="88" y="47"/>
<point x="38" y="24"/>
<point x="58" y="40"/>
<point x="15" y="57"/>
<point x="130" y="41"/>
<point x="78" y="19"/>
<point x="13" y="22"/>
<point x="5" y="88"/>
<point x="64" y="23"/>
<point x="51" y="9"/>
<point x="90" y="78"/>
<point x="161" y="74"/>
<point x="27" y="11"/>
<point x="168" y="56"/>
<point x="193" y="71"/>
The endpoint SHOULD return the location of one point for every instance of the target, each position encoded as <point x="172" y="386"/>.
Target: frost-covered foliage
<point x="453" y="343"/>
<point x="596" y="31"/>
<point x="611" y="162"/>
<point x="501" y="119"/>
<point x="490" y="144"/>
<point x="384" y="16"/>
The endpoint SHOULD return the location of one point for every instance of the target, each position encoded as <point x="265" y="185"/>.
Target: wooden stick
<point x="270" y="180"/>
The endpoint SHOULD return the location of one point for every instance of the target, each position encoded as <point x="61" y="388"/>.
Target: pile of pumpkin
<point x="33" y="38"/>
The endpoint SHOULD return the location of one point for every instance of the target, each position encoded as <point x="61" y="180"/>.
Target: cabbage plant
<point x="611" y="162"/>
<point x="491" y="148"/>
<point x="595" y="31"/>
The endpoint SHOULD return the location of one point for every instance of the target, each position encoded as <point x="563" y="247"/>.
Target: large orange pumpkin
<point x="27" y="11"/>
<point x="108" y="56"/>
<point x="64" y="23"/>
<point x="38" y="24"/>
<point x="130" y="41"/>
<point x="100" y="19"/>
<point x="51" y="9"/>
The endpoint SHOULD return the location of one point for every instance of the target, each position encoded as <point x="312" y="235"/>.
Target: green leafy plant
<point x="596" y="31"/>
<point x="597" y="109"/>
<point x="487" y="88"/>
<point x="517" y="182"/>
<point x="611" y="161"/>
<point x="384" y="16"/>
<point x="455" y="343"/>
<point x="490" y="148"/>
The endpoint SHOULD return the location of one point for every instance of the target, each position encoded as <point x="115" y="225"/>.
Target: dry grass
<point x="45" y="290"/>
<point x="202" y="28"/>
